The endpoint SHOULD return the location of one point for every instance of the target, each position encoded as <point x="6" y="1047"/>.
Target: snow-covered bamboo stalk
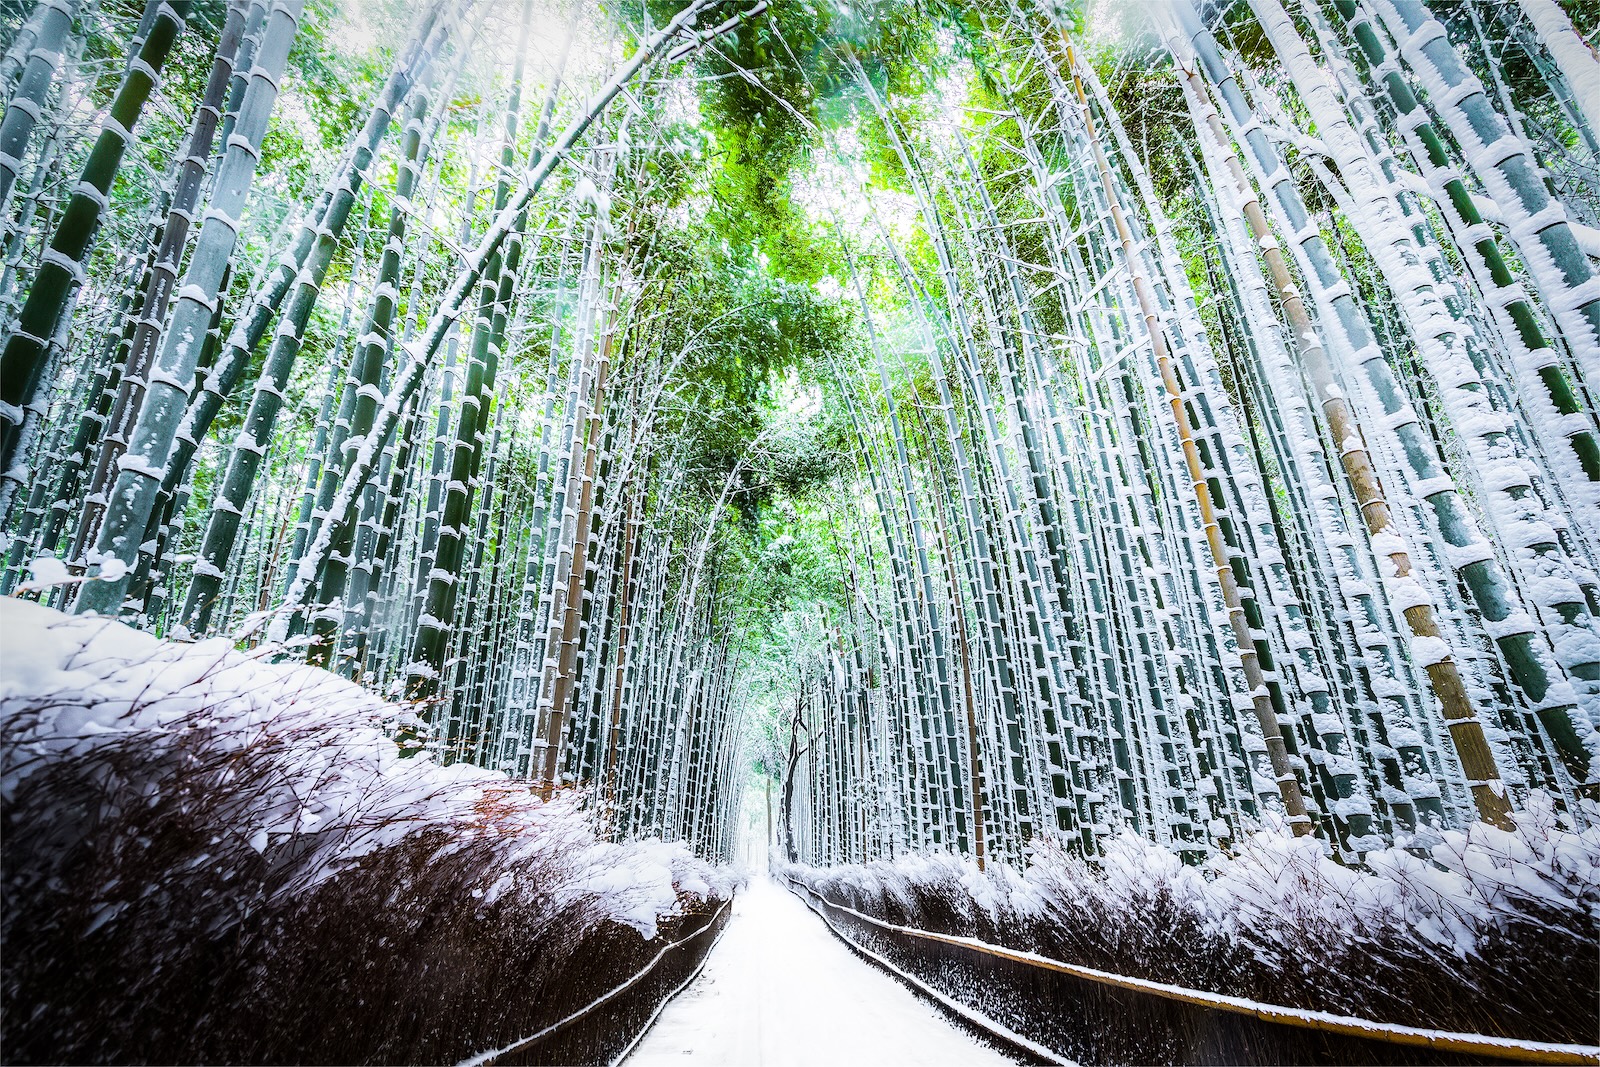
<point x="298" y="272"/>
<point x="1288" y="784"/>
<point x="160" y="285"/>
<point x="50" y="24"/>
<point x="1536" y="221"/>
<point x="1514" y="509"/>
<point x="1428" y="645"/>
<point x="24" y="358"/>
<point x="420" y="351"/>
<point x="141" y="468"/>
<point x="1573" y="56"/>
<point x="1523" y="644"/>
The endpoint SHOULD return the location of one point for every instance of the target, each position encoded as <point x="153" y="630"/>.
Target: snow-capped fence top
<point x="330" y="783"/>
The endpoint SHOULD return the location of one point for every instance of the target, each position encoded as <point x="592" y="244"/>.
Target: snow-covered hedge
<point x="211" y="857"/>
<point x="1494" y="933"/>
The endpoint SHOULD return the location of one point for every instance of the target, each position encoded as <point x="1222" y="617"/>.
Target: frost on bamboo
<point x="1174" y="427"/>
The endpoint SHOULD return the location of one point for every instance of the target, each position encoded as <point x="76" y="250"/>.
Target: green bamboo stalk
<point x="22" y="362"/>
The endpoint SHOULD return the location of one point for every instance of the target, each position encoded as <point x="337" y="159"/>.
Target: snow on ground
<point x="780" y="990"/>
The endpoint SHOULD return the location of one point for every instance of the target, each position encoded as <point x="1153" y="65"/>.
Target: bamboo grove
<point x="400" y="415"/>
<point x="1227" y="435"/>
<point x="989" y="420"/>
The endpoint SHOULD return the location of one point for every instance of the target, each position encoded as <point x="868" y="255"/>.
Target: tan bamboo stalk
<point x="1466" y="732"/>
<point x="568" y="652"/>
<point x="630" y="535"/>
<point x="959" y="624"/>
<point x="1294" y="804"/>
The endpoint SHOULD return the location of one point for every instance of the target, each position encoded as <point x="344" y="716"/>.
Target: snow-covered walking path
<point x="781" y="991"/>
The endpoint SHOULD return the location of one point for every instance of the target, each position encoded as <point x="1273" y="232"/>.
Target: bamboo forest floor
<point x="781" y="991"/>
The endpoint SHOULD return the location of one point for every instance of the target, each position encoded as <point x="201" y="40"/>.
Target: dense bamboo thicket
<point x="996" y="421"/>
<point x="399" y="363"/>
<point x="1225" y="445"/>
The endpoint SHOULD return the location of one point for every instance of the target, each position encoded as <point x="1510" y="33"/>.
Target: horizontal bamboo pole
<point x="983" y="1022"/>
<point x="1505" y="1048"/>
<point x="482" y="1059"/>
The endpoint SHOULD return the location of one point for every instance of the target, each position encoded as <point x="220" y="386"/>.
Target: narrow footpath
<point x="781" y="991"/>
